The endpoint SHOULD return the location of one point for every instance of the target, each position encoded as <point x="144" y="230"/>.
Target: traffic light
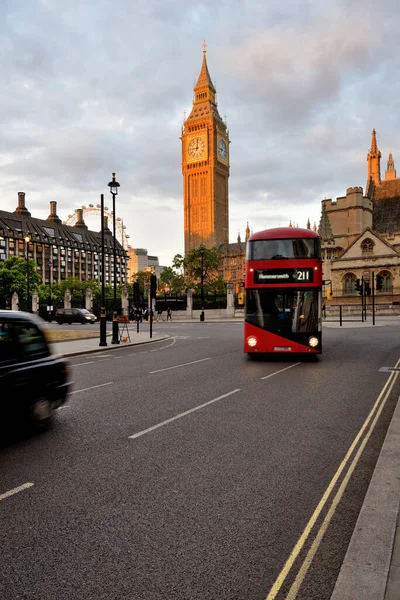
<point x="136" y="293"/>
<point x="329" y="293"/>
<point x="153" y="286"/>
<point x="358" y="285"/>
<point x="379" y="282"/>
<point x="367" y="289"/>
<point x="241" y="298"/>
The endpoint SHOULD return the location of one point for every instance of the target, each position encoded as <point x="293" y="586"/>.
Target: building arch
<point x="349" y="284"/>
<point x="367" y="246"/>
<point x="387" y="282"/>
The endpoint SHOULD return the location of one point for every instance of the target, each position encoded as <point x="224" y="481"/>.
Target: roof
<point x="50" y="232"/>
<point x="283" y="232"/>
<point x="388" y="188"/>
<point x="386" y="215"/>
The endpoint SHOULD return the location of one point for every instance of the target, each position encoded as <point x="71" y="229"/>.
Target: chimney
<point x="105" y="225"/>
<point x="21" y="209"/>
<point x="80" y="222"/>
<point x="53" y="213"/>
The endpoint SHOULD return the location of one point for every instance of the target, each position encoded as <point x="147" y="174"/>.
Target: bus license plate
<point x="282" y="348"/>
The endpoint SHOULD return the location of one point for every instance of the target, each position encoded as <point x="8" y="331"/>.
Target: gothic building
<point x="205" y="168"/>
<point x="360" y="235"/>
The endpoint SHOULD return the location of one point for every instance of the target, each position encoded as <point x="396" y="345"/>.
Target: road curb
<point x="365" y="569"/>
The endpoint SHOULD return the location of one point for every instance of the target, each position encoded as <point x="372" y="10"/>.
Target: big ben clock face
<point x="222" y="151"/>
<point x="197" y="147"/>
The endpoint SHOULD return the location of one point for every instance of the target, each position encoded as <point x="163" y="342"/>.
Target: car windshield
<point x="85" y="311"/>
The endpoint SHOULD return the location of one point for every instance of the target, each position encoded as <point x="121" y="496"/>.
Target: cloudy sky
<point x="91" y="87"/>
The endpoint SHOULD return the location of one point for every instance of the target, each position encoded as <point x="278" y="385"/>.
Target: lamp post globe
<point x="114" y="185"/>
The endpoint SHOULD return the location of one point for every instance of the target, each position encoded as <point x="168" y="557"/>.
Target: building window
<point x="349" y="284"/>
<point x="367" y="246"/>
<point x="386" y="283"/>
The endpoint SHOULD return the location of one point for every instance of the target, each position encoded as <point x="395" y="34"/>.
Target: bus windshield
<point x="283" y="248"/>
<point x="283" y="311"/>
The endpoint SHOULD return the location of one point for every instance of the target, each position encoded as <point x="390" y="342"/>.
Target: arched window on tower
<point x="349" y="283"/>
<point x="367" y="246"/>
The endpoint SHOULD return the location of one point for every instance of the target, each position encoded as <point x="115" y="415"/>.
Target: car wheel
<point x="59" y="322"/>
<point x="41" y="412"/>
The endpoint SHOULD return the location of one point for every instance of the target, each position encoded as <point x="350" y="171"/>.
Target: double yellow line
<point x="369" y="424"/>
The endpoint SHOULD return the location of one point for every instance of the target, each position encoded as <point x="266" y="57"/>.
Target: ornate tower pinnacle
<point x="325" y="229"/>
<point x="374" y="162"/>
<point x="390" y="172"/>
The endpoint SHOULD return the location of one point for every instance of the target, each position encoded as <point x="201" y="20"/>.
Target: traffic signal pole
<point x="373" y="298"/>
<point x="362" y="299"/>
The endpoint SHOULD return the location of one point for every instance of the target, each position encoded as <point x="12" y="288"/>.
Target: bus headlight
<point x="252" y="342"/>
<point x="313" y="341"/>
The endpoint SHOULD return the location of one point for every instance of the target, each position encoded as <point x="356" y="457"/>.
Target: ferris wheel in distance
<point x="95" y="211"/>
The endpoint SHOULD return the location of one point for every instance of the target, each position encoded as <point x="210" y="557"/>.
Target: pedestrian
<point x="169" y="314"/>
<point x="324" y="311"/>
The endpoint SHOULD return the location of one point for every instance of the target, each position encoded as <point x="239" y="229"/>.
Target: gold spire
<point x="204" y="80"/>
<point x="308" y="224"/>
<point x="374" y="166"/>
<point x="204" y="48"/>
<point x="390" y="171"/>
<point x="290" y="224"/>
<point x="247" y="234"/>
<point x="374" y="146"/>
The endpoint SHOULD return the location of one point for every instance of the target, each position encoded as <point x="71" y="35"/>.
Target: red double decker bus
<point x="283" y="284"/>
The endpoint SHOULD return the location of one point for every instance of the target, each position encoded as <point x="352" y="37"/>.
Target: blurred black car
<point x="33" y="382"/>
<point x="74" y="315"/>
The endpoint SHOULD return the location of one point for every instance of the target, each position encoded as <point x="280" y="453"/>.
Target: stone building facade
<point x="360" y="235"/>
<point x="60" y="251"/>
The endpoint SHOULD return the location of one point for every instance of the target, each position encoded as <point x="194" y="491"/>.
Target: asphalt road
<point x="182" y="470"/>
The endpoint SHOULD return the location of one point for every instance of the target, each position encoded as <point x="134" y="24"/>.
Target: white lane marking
<point x="187" y="412"/>
<point x="178" y="366"/>
<point x="281" y="371"/>
<point x="85" y="363"/>
<point x="20" y="488"/>
<point x="92" y="388"/>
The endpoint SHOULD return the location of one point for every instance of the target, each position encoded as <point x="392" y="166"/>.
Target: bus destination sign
<point x="283" y="276"/>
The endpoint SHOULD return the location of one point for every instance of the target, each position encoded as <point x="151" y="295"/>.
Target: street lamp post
<point x="202" y="283"/>
<point x="114" y="185"/>
<point x="27" y="239"/>
<point x="103" y="317"/>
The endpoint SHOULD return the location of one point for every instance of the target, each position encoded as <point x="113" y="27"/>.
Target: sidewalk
<point x="371" y="568"/>
<point x="89" y="345"/>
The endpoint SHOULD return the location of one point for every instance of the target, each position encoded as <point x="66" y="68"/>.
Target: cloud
<point x="92" y="88"/>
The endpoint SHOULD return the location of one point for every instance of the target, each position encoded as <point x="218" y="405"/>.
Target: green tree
<point x="172" y="280"/>
<point x="13" y="278"/>
<point x="143" y="278"/>
<point x="194" y="265"/>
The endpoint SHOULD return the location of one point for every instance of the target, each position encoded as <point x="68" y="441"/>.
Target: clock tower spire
<point x="205" y="168"/>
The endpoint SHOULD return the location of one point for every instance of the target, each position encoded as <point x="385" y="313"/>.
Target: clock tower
<point x="205" y="168"/>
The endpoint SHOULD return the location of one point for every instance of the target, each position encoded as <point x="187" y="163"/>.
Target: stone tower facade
<point x="205" y="168"/>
